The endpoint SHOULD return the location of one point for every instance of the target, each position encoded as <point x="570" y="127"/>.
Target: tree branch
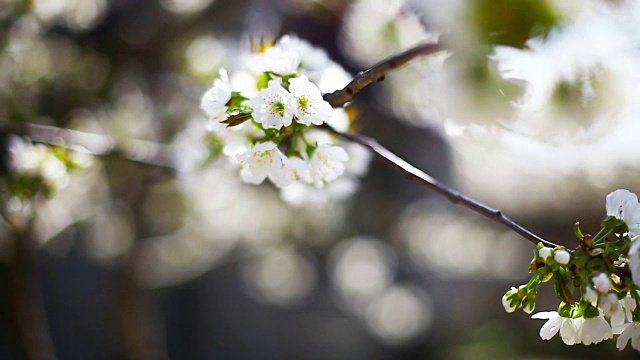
<point x="413" y="173"/>
<point x="377" y="72"/>
<point x="141" y="151"/>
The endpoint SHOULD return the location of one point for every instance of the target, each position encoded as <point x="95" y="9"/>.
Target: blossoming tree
<point x="284" y="111"/>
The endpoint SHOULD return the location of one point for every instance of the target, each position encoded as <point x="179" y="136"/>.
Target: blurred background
<point x="533" y="111"/>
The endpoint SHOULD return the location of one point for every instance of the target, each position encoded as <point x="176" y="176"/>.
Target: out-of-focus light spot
<point x="204" y="55"/>
<point x="81" y="199"/>
<point x="180" y="256"/>
<point x="400" y="314"/>
<point x="76" y="14"/>
<point x="361" y="267"/>
<point x="111" y="235"/>
<point x="454" y="244"/>
<point x="185" y="7"/>
<point x="280" y="277"/>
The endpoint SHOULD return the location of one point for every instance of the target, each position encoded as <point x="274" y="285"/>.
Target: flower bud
<point x="601" y="282"/>
<point x="544" y="253"/>
<point x="506" y="303"/>
<point x="561" y="257"/>
<point x="590" y="295"/>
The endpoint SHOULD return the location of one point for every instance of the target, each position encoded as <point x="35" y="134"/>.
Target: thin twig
<point x="141" y="151"/>
<point x="452" y="195"/>
<point x="377" y="72"/>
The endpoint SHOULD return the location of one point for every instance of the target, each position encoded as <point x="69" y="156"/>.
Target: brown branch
<point x="452" y="195"/>
<point x="377" y="72"/>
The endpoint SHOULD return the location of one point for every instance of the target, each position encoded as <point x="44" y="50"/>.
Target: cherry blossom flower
<point x="214" y="101"/>
<point x="567" y="327"/>
<point x="327" y="163"/>
<point x="262" y="161"/>
<point x="624" y="205"/>
<point x="594" y="330"/>
<point x="601" y="283"/>
<point x="613" y="309"/>
<point x="630" y="331"/>
<point x="294" y="168"/>
<point x="271" y="108"/>
<point x="278" y="60"/>
<point x="590" y="295"/>
<point x="634" y="261"/>
<point x="307" y="102"/>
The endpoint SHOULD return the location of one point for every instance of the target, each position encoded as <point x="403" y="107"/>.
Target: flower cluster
<point x="39" y="168"/>
<point x="603" y="269"/>
<point x="265" y="117"/>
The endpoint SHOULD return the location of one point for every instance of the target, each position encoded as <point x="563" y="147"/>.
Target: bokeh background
<point x="533" y="111"/>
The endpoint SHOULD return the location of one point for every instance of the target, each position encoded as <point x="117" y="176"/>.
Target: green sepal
<point x="577" y="232"/>
<point x="589" y="311"/>
<point x="235" y="120"/>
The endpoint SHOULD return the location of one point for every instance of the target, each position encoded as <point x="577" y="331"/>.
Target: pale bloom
<point x="629" y="304"/>
<point x="590" y="295"/>
<point x="307" y="102"/>
<point x="327" y="163"/>
<point x="634" y="261"/>
<point x="601" y="283"/>
<point x="271" y="108"/>
<point x="566" y="326"/>
<point x="594" y="330"/>
<point x="624" y="205"/>
<point x="277" y="59"/>
<point x="293" y="168"/>
<point x="613" y="309"/>
<point x="561" y="257"/>
<point x="262" y="161"/>
<point x="214" y="101"/>
<point x="630" y="331"/>
<point x="616" y="202"/>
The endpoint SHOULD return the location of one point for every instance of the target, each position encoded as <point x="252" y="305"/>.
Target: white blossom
<point x="561" y="257"/>
<point x="294" y="168"/>
<point x="567" y="327"/>
<point x="272" y="107"/>
<point x="307" y="102"/>
<point x="616" y="202"/>
<point x="214" y="101"/>
<point x="590" y="295"/>
<point x="630" y="331"/>
<point x="634" y="261"/>
<point x="262" y="161"/>
<point x="613" y="309"/>
<point x="277" y="59"/>
<point x="629" y="304"/>
<point x="327" y="163"/>
<point x="594" y="330"/>
<point x="624" y="205"/>
<point x="601" y="283"/>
